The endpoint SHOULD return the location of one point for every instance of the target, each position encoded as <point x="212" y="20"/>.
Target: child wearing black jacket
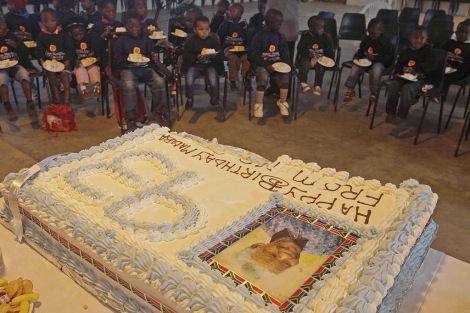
<point x="20" y="22"/>
<point x="269" y="46"/>
<point x="376" y="48"/>
<point x="197" y="61"/>
<point x="13" y="49"/>
<point x="136" y="43"/>
<point x="90" y="14"/>
<point x="313" y="45"/>
<point x="55" y="44"/>
<point x="233" y="33"/>
<point x="419" y="61"/>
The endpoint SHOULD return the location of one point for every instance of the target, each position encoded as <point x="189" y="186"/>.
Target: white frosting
<point x="151" y="201"/>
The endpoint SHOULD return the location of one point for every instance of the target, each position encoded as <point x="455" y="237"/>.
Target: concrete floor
<point x="340" y="140"/>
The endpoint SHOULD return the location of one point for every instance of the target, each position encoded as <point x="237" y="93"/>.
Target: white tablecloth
<point x="440" y="284"/>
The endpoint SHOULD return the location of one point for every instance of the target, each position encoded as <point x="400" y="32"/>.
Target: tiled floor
<point x="339" y="140"/>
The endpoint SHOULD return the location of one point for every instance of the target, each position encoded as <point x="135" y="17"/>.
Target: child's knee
<point x="129" y="86"/>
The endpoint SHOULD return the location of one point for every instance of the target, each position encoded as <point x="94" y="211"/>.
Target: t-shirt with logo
<point x="27" y="29"/>
<point x="320" y="45"/>
<point x="268" y="47"/>
<point x="19" y="53"/>
<point x="422" y="61"/>
<point x="458" y="54"/>
<point x="233" y="34"/>
<point x="380" y="50"/>
<point x="57" y="45"/>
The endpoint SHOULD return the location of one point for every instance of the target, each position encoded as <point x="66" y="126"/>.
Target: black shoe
<point x="215" y="102"/>
<point x="233" y="86"/>
<point x="189" y="104"/>
<point x="389" y="118"/>
<point x="11" y="115"/>
<point x="141" y="121"/>
<point x="131" y="125"/>
<point x="397" y="120"/>
<point x="161" y="117"/>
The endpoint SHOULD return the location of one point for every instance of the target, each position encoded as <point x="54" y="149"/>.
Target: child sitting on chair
<point x="90" y="14"/>
<point x="377" y="49"/>
<point x="313" y="45"/>
<point x="20" y="22"/>
<point x="196" y="63"/>
<point x="419" y="61"/>
<point x="85" y="72"/>
<point x="129" y="51"/>
<point x="269" y="46"/>
<point x="55" y="44"/>
<point x="13" y="49"/>
<point x="257" y="20"/>
<point x="458" y="55"/>
<point x="233" y="33"/>
<point x="148" y="25"/>
<point x="219" y="15"/>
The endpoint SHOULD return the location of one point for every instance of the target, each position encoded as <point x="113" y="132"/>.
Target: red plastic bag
<point x="58" y="118"/>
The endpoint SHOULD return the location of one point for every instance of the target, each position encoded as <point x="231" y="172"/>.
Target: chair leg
<point x="359" y="83"/>
<point x="181" y="90"/>
<point x="249" y="105"/>
<point x="333" y="76"/>
<point x="466" y="105"/>
<point x="168" y="104"/>
<point x="14" y="92"/>
<point x="453" y="107"/>
<point x="421" y="122"/>
<point x="297" y="91"/>
<point x="224" y="103"/>
<point x="440" y="115"/>
<point x="335" y="101"/>
<point x="39" y="93"/>
<point x="178" y="93"/>
<point x="245" y="89"/>
<point x="374" y="111"/>
<point x="464" y="130"/>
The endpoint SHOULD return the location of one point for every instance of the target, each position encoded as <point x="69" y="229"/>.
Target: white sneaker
<point x="305" y="87"/>
<point x="284" y="108"/>
<point x="258" y="110"/>
<point x="317" y="91"/>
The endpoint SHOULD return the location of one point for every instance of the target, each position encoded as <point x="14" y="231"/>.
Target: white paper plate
<point x="54" y="66"/>
<point x="182" y="35"/>
<point x="362" y="62"/>
<point x="120" y="30"/>
<point x="450" y="70"/>
<point x="30" y="44"/>
<point x="208" y="54"/>
<point x="409" y="77"/>
<point x="281" y="67"/>
<point x="88" y="61"/>
<point x="144" y="60"/>
<point x="326" y="61"/>
<point x="238" y="49"/>
<point x="8" y="64"/>
<point x="157" y="38"/>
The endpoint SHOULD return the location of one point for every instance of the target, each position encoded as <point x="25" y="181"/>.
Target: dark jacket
<point x="84" y="47"/>
<point x="215" y="23"/>
<point x="256" y="20"/>
<point x="20" y="53"/>
<point x="65" y="19"/>
<point x="100" y="44"/>
<point x="422" y="61"/>
<point x="92" y="18"/>
<point x="381" y="47"/>
<point x="26" y="29"/>
<point x="126" y="44"/>
<point x="58" y="45"/>
<point x="267" y="48"/>
<point x="232" y="34"/>
<point x="458" y="55"/>
<point x="194" y="46"/>
<point x="322" y="45"/>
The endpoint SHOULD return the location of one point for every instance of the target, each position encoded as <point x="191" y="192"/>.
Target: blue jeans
<point x="130" y="78"/>
<point x="375" y="76"/>
<point x="195" y="72"/>
<point x="304" y="68"/>
<point x="262" y="77"/>
<point x="406" y="92"/>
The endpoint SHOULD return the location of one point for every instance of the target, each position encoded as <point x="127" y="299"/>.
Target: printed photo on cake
<point x="280" y="255"/>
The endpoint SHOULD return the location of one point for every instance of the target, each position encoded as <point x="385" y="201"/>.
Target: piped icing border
<point x="389" y="243"/>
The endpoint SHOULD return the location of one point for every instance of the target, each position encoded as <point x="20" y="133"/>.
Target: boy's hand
<point x="78" y="63"/>
<point x="67" y="64"/>
<point x="311" y="54"/>
<point x="270" y="69"/>
<point x="201" y="57"/>
<point x="154" y="56"/>
<point x="11" y="43"/>
<point x="41" y="61"/>
<point x="179" y="25"/>
<point x="369" y="57"/>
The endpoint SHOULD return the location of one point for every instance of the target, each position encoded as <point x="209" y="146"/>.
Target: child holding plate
<point x="233" y="33"/>
<point x="374" y="55"/>
<point x="56" y="47"/>
<point x="202" y="57"/>
<point x="83" y="70"/>
<point x="14" y="57"/>
<point x="313" y="45"/>
<point x="132" y="54"/>
<point x="418" y="63"/>
<point x="269" y="48"/>
<point x="20" y="22"/>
